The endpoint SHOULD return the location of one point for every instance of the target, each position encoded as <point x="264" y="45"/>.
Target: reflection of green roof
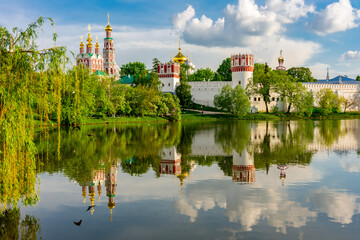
<point x="129" y="160"/>
<point x="100" y="73"/>
<point x="126" y="80"/>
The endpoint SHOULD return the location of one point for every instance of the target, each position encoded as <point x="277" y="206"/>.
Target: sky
<point x="318" y="34"/>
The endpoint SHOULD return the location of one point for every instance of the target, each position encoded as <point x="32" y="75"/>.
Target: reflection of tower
<point x="243" y="168"/>
<point x="84" y="193"/>
<point x="282" y="173"/>
<point x="92" y="197"/>
<point x="170" y="162"/>
<point x="111" y="183"/>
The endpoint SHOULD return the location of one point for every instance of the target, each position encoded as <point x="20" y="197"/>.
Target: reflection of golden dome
<point x="182" y="176"/>
<point x="111" y="205"/>
<point x="179" y="58"/>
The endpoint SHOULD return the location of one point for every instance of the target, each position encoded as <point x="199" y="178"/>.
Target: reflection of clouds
<point x="244" y="205"/>
<point x="350" y="164"/>
<point x="338" y="205"/>
<point x="183" y="207"/>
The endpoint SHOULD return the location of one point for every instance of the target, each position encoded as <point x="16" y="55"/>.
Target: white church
<point x="242" y="67"/>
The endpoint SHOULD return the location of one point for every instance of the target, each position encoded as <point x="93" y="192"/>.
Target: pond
<point x="206" y="180"/>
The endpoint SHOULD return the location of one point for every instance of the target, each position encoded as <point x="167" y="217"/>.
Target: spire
<point x="327" y="75"/>
<point x="108" y="28"/>
<point x="97" y="46"/>
<point x="81" y="45"/>
<point x="179" y="58"/>
<point x="89" y="40"/>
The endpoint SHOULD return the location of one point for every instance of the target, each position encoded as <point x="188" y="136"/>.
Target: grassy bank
<point x="198" y="116"/>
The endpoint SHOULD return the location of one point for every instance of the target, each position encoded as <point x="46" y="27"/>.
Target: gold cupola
<point x="108" y="28"/>
<point x="81" y="44"/>
<point x="281" y="59"/>
<point x="97" y="43"/>
<point x="89" y="40"/>
<point x="179" y="58"/>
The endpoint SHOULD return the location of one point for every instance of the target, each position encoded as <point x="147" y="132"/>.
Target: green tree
<point x="172" y="104"/>
<point x="132" y="68"/>
<point x="150" y="80"/>
<point x="183" y="91"/>
<point x="233" y="100"/>
<point x="328" y="101"/>
<point x="304" y="103"/>
<point x="155" y="63"/>
<point x="224" y="71"/>
<point x="301" y="74"/>
<point x="287" y="87"/>
<point x="358" y="78"/>
<point x="201" y="75"/>
<point x="261" y="83"/>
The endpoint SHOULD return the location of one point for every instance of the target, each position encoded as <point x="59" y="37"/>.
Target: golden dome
<point x="97" y="43"/>
<point x="81" y="44"/>
<point x="179" y="58"/>
<point x="281" y="57"/>
<point x="108" y="28"/>
<point x="89" y="40"/>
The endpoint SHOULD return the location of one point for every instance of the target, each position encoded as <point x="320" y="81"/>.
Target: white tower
<point x="169" y="75"/>
<point x="242" y="68"/>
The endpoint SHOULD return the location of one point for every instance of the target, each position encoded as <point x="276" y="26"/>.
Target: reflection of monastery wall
<point x="348" y="139"/>
<point x="204" y="144"/>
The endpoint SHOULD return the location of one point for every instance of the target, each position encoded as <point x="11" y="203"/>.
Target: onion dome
<point x="179" y="58"/>
<point x="81" y="44"/>
<point x="89" y="40"/>
<point x="97" y="43"/>
<point x="108" y="28"/>
<point x="281" y="59"/>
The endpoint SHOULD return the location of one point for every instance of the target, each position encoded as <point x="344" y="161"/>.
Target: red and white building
<point x="169" y="75"/>
<point x="94" y="61"/>
<point x="243" y="169"/>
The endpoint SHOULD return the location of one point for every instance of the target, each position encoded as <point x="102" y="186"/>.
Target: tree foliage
<point x="132" y="69"/>
<point x="262" y="83"/>
<point x="328" y="101"/>
<point x="201" y="75"/>
<point x="301" y="74"/>
<point x="233" y="100"/>
<point x="223" y="73"/>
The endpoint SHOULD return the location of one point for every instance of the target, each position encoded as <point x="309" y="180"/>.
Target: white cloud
<point x="180" y="19"/>
<point x="338" y="205"/>
<point x="336" y="17"/>
<point x="350" y="55"/>
<point x="243" y="24"/>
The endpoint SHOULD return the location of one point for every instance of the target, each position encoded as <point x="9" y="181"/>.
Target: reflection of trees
<point x="225" y="162"/>
<point x="233" y="136"/>
<point x="82" y="150"/>
<point x="289" y="147"/>
<point x="330" y="130"/>
<point x="12" y="228"/>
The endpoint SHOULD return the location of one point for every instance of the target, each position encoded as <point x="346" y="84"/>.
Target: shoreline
<point x="194" y="116"/>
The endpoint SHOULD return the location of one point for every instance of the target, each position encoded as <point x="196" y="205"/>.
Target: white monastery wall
<point x="204" y="92"/>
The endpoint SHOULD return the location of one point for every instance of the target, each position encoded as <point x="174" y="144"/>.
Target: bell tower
<point x="109" y="51"/>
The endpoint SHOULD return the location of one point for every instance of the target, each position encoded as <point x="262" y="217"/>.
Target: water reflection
<point x="275" y="174"/>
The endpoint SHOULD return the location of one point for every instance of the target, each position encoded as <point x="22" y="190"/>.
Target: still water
<point x="224" y="180"/>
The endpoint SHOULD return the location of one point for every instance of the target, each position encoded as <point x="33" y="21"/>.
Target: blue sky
<point x="313" y="33"/>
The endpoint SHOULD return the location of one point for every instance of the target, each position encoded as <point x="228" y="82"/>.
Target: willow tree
<point x="31" y="81"/>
